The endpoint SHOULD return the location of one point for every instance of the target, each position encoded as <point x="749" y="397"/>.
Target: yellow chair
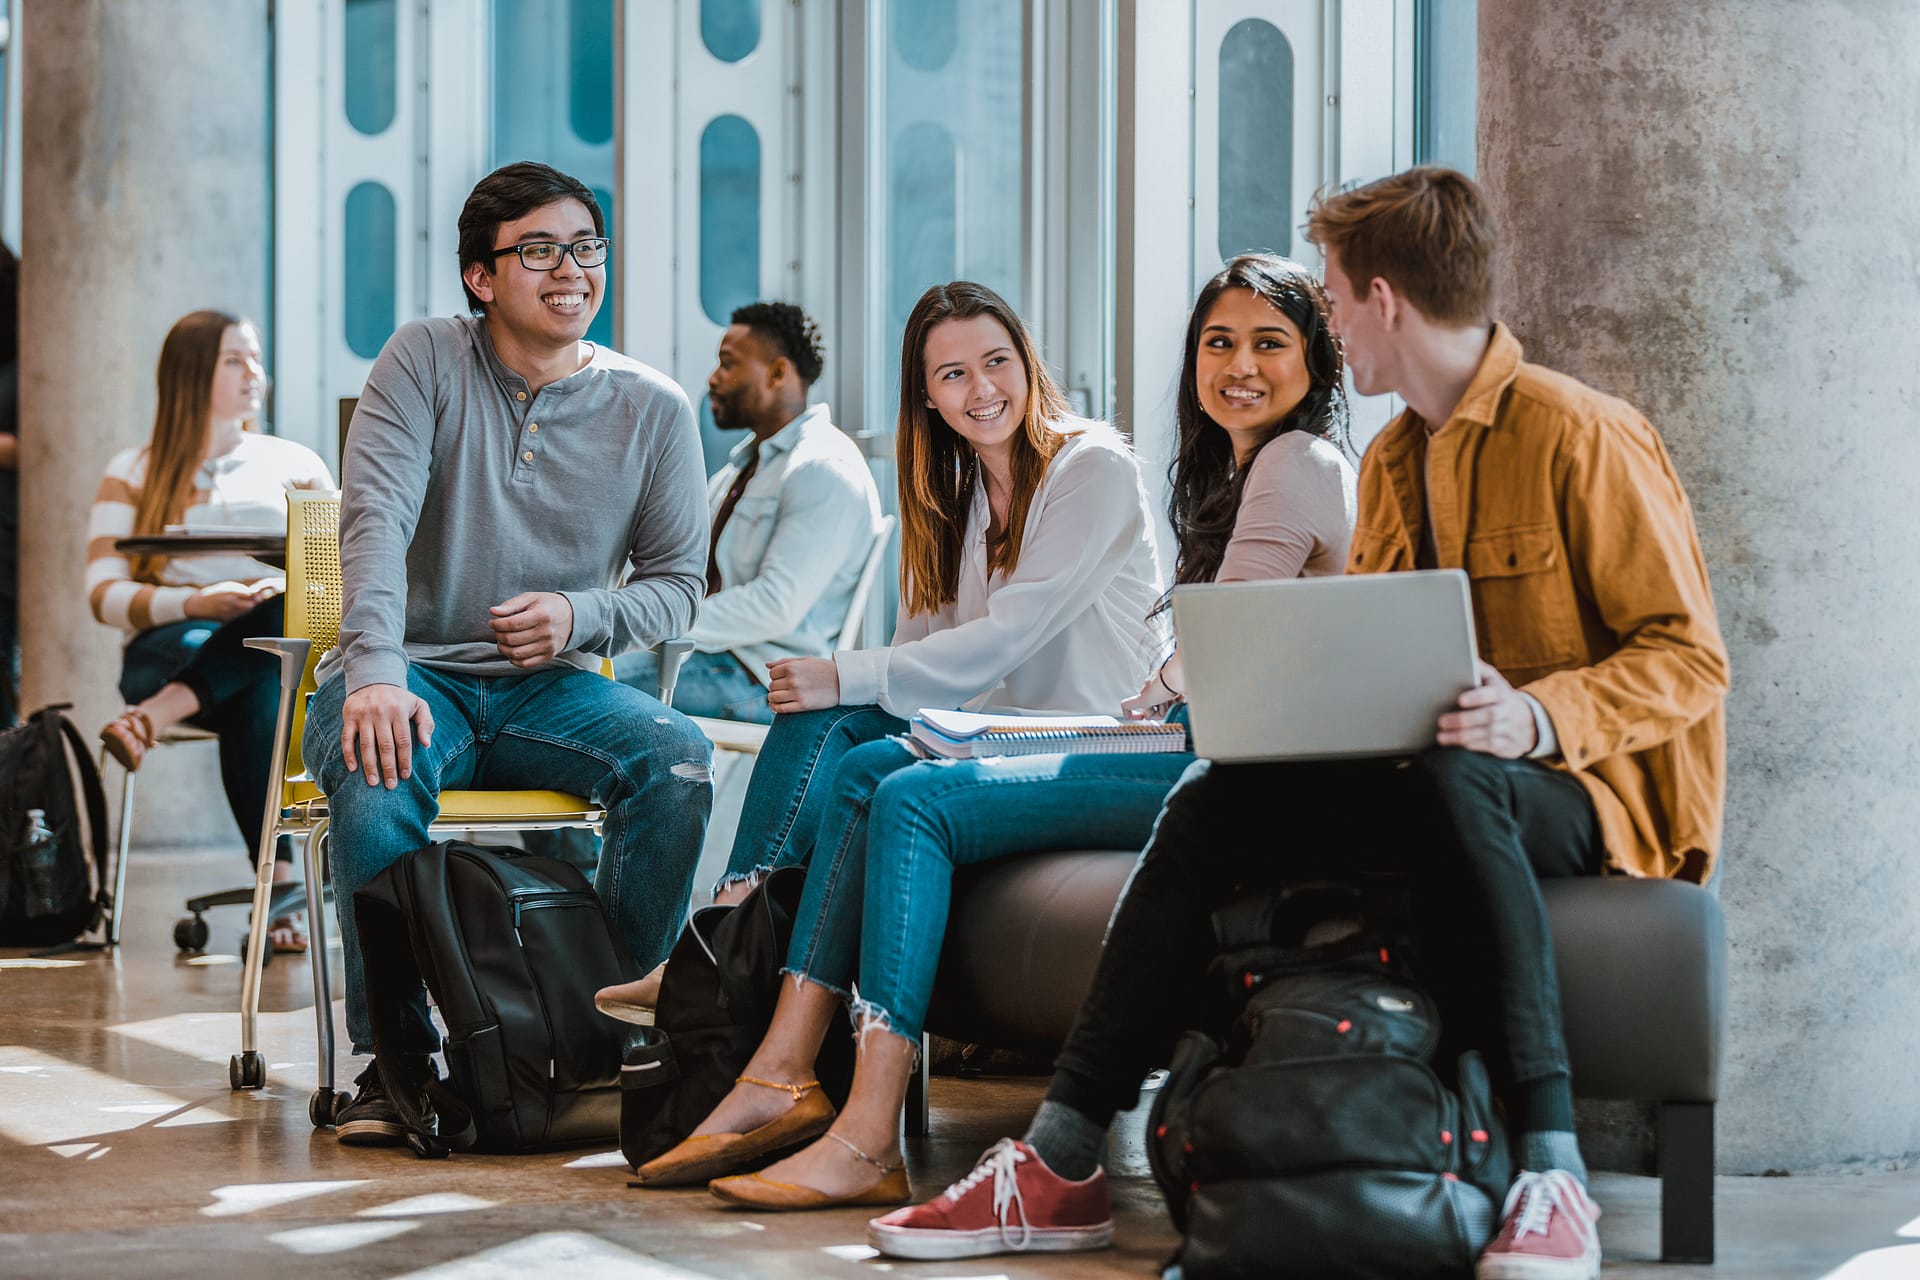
<point x="296" y="805"/>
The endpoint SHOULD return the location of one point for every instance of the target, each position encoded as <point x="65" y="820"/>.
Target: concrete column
<point x="146" y="192"/>
<point x="1712" y="209"/>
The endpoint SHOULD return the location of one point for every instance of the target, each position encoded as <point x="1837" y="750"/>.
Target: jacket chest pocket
<point x="1378" y="551"/>
<point x="1523" y="601"/>
<point x="749" y="530"/>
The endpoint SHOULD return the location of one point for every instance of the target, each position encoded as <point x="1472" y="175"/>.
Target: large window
<point x="1446" y="82"/>
<point x="949" y="169"/>
<point x="553" y="100"/>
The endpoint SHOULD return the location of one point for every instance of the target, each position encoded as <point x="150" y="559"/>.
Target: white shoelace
<point x="1542" y="1194"/>
<point x="999" y="1163"/>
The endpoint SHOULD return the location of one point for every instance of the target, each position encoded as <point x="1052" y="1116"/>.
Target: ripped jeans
<point x="558" y="728"/>
<point x="882" y="833"/>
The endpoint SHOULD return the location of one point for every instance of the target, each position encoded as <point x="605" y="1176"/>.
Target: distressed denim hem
<point x="755" y="878"/>
<point x="799" y="976"/>
<point x="868" y="1017"/>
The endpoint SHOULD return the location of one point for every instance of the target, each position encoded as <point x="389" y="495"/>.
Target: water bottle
<point x="40" y="860"/>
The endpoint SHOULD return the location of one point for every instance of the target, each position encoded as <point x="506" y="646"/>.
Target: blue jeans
<point x="878" y="889"/>
<point x="710" y="684"/>
<point x="239" y="693"/>
<point x="797" y="792"/>
<point x="558" y="728"/>
<point x="715" y="685"/>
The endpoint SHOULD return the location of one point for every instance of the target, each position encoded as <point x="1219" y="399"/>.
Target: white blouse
<point x="1066" y="632"/>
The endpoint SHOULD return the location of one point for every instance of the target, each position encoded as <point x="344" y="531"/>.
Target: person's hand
<point x="224" y="601"/>
<point x="802" y="684"/>
<point x="1155" y="696"/>
<point x="533" y="627"/>
<point x="1494" y="717"/>
<point x="375" y="732"/>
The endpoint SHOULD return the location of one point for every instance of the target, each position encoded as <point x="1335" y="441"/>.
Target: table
<point x="266" y="547"/>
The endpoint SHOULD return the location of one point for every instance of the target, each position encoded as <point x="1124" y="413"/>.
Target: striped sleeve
<point x="116" y="597"/>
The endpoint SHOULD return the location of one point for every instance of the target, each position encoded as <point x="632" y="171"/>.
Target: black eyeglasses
<point x="545" y="255"/>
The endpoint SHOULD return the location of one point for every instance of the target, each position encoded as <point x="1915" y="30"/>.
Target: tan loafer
<point x="708" y="1155"/>
<point x="764" y="1193"/>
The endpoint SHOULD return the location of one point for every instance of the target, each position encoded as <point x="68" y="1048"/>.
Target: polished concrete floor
<point x="122" y="1153"/>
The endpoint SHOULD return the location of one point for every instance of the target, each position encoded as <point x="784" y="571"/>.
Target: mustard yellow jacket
<point x="1589" y="591"/>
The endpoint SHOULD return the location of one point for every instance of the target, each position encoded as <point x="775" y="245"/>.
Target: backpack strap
<point x="391" y="967"/>
<point x="96" y="801"/>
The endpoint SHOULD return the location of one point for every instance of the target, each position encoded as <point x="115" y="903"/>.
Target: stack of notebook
<point x="962" y="735"/>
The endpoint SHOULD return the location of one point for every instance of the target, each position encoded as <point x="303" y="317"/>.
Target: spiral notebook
<point x="963" y="735"/>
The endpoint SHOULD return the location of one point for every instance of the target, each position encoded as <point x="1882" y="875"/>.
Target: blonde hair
<point x="1427" y="232"/>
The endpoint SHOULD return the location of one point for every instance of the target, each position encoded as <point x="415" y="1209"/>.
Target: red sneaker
<point x="1010" y="1203"/>
<point x="1546" y="1232"/>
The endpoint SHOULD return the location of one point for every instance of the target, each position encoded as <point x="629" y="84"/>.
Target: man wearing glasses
<point x="516" y="504"/>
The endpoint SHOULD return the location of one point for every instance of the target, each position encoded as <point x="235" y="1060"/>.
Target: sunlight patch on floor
<point x="338" y="1237"/>
<point x="1902" y="1262"/>
<point x="212" y="1036"/>
<point x="39" y="1104"/>
<point x="441" y="1202"/>
<point x="251" y="1197"/>
<point x="1911" y="1231"/>
<point x="554" y="1253"/>
<point x="599" y="1160"/>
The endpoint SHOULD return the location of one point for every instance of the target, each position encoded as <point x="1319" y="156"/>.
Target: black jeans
<point x="239" y="693"/>
<point x="1474" y="833"/>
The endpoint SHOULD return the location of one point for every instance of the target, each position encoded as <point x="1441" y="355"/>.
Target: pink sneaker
<point x="1010" y="1203"/>
<point x="1546" y="1232"/>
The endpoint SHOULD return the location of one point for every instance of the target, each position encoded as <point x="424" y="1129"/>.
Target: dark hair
<point x="1205" y="485"/>
<point x="789" y="331"/>
<point x="1427" y="232"/>
<point x="935" y="465"/>
<point x="509" y="192"/>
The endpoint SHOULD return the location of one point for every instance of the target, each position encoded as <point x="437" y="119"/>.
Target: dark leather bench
<point x="1642" y="981"/>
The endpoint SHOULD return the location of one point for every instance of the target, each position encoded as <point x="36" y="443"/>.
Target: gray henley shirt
<point x="462" y="487"/>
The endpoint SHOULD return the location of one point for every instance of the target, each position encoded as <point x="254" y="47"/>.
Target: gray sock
<point x="1070" y="1144"/>
<point x="1552" y="1149"/>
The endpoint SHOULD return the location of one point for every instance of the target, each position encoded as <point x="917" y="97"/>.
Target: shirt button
<point x="533" y="427"/>
<point x="527" y="456"/>
<point x="519" y="395"/>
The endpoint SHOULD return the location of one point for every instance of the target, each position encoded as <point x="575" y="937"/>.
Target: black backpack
<point x="716" y="1000"/>
<point x="1320" y="1138"/>
<point x="48" y="892"/>
<point x="512" y="947"/>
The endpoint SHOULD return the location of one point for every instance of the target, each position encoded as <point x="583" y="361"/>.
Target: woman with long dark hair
<point x="1260" y="368"/>
<point x="185" y="617"/>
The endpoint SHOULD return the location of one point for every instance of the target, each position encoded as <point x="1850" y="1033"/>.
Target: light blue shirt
<point x="791" y="552"/>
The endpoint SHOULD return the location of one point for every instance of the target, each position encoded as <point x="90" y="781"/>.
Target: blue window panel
<point x="370" y="257"/>
<point x="371" y="74"/>
<point x="925" y="32"/>
<point x="1445" y="82"/>
<point x="590" y="70"/>
<point x="1256" y="140"/>
<point x="729" y="216"/>
<point x="600" y="331"/>
<point x="922" y="217"/>
<point x="730" y="28"/>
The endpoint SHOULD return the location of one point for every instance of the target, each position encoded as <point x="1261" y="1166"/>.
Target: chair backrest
<point x="313" y="593"/>
<point x="853" y="630"/>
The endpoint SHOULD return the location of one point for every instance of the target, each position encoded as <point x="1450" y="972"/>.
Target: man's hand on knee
<point x="1494" y="717"/>
<point x="376" y="726"/>
<point x="533" y="627"/>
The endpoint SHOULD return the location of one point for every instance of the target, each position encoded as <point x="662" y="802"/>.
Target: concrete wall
<point x="1713" y="209"/>
<point x="146" y="193"/>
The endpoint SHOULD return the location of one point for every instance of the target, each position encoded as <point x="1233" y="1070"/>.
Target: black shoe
<point x="371" y="1119"/>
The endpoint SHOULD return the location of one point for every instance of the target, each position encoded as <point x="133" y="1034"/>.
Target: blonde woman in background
<point x="185" y="618"/>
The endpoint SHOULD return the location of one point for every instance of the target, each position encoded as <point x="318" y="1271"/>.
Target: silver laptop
<point x="1324" y="668"/>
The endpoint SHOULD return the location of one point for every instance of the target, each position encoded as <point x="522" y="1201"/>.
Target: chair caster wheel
<point x="247" y="1071"/>
<point x="190" y="933"/>
<point x="325" y="1106"/>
